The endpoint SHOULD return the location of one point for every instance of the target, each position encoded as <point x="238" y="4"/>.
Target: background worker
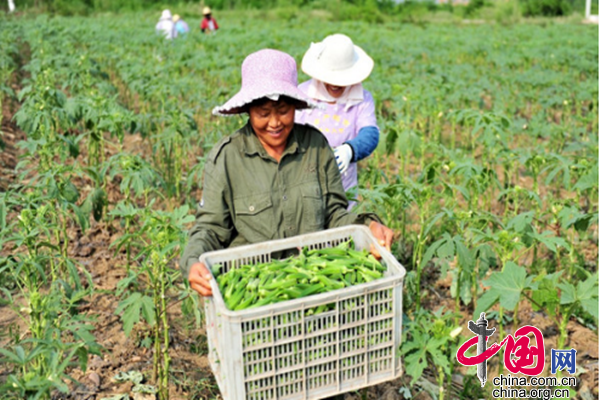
<point x="181" y="27"/>
<point x="272" y="178"/>
<point x="165" y="25"/>
<point x="347" y="117"/>
<point x="208" y="24"/>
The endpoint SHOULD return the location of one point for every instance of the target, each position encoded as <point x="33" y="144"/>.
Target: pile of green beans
<point x="311" y="272"/>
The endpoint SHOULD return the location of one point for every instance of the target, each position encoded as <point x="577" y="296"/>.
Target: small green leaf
<point x="568" y="294"/>
<point x="508" y="284"/>
<point x="486" y="301"/>
<point x="99" y="201"/>
<point x="446" y="249"/>
<point x="131" y="308"/>
<point x="69" y="192"/>
<point x="520" y="222"/>
<point x="588" y="181"/>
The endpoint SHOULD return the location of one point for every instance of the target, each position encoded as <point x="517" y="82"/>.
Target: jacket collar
<point x="253" y="146"/>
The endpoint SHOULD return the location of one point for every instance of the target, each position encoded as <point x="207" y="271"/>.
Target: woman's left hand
<point x="384" y="236"/>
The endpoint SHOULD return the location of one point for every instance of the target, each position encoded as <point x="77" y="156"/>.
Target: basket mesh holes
<point x="352" y="340"/>
<point x="287" y="332"/>
<point x="288" y="325"/>
<point x="352" y="310"/>
<point x="320" y="324"/>
<point x="380" y="332"/>
<point x="261" y="389"/>
<point x="380" y="360"/>
<point x="289" y="383"/>
<point x="288" y="355"/>
<point x="257" y="362"/>
<point x="322" y="346"/>
<point x="322" y="375"/>
<point x="227" y="265"/>
<point x="256" y="332"/>
<point x="353" y="367"/>
<point x="380" y="303"/>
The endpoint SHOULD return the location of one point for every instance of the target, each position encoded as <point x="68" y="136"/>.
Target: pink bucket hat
<point x="266" y="73"/>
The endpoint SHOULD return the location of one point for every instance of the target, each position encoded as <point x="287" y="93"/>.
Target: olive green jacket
<point x="249" y="197"/>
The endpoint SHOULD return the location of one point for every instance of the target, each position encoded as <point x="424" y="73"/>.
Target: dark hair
<point x="282" y="99"/>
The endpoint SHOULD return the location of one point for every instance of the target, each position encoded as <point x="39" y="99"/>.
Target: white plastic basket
<point x="279" y="352"/>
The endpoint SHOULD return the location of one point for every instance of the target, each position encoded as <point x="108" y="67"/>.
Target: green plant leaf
<point x="486" y="301"/>
<point x="520" y="222"/>
<point x="509" y="284"/>
<point x="568" y="293"/>
<point x="548" y="239"/>
<point x="18" y="357"/>
<point x="99" y="201"/>
<point x="446" y="248"/>
<point x="587" y="293"/>
<point x="132" y="307"/>
<point x="83" y="218"/>
<point x="588" y="181"/>
<point x="546" y="294"/>
<point x="69" y="192"/>
<point x="2" y="214"/>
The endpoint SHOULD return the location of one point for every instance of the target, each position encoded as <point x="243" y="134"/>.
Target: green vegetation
<point x="372" y="11"/>
<point x="487" y="170"/>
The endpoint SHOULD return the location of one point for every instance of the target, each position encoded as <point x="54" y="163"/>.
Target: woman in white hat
<point x="347" y="115"/>
<point x="272" y="178"/>
<point x="165" y="25"/>
<point x="208" y="24"/>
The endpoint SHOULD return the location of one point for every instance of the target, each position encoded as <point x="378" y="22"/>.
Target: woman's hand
<point x="199" y="278"/>
<point x="384" y="236"/>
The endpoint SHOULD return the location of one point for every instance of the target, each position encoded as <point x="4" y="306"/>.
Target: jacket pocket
<point x="254" y="217"/>
<point x="313" y="206"/>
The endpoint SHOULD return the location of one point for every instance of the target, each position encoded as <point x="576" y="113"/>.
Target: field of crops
<point x="487" y="170"/>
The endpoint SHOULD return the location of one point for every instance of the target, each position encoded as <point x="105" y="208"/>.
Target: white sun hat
<point x="166" y="14"/>
<point x="337" y="61"/>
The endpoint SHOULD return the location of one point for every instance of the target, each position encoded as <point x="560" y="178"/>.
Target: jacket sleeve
<point x="213" y="229"/>
<point x="336" y="203"/>
<point x="364" y="143"/>
<point x="367" y="137"/>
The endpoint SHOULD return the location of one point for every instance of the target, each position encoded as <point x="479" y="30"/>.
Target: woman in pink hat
<point x="272" y="178"/>
<point x="347" y="117"/>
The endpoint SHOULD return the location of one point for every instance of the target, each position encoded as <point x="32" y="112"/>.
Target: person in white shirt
<point x="165" y="25"/>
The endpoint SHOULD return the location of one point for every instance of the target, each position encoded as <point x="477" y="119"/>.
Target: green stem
<point x="165" y="323"/>
<point x="440" y="381"/>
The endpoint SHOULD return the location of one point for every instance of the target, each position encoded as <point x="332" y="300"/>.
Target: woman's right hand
<point x="199" y="278"/>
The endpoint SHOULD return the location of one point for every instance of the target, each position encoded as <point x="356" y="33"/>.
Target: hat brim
<point x="359" y="71"/>
<point x="238" y="103"/>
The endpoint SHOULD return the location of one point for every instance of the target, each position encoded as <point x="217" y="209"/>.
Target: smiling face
<point x="335" y="91"/>
<point x="272" y="122"/>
